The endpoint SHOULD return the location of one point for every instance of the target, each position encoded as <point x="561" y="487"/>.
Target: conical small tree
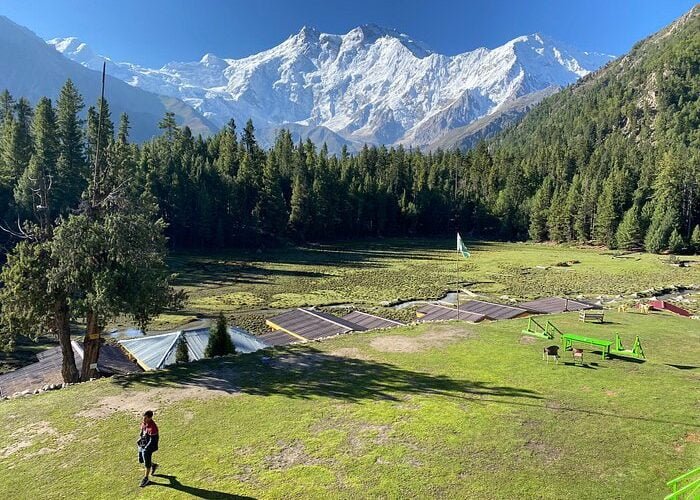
<point x="675" y="242"/>
<point x="695" y="239"/>
<point x="182" y="355"/>
<point x="219" y="341"/>
<point x="629" y="232"/>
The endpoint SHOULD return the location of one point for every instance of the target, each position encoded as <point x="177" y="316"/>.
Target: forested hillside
<point x="613" y="160"/>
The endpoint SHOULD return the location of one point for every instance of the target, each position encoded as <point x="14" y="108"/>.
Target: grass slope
<point x="443" y="410"/>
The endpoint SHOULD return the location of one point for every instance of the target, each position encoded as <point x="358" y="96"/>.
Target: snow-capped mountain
<point x="371" y="84"/>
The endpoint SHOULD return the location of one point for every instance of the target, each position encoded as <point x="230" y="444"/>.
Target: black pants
<point x="145" y="455"/>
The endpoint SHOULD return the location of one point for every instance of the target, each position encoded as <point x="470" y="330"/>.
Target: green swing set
<point x="548" y="331"/>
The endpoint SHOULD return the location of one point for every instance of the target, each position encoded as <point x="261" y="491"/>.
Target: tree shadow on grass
<point x="303" y="372"/>
<point x="191" y="490"/>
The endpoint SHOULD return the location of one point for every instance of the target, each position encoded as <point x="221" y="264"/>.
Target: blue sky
<point x="153" y="32"/>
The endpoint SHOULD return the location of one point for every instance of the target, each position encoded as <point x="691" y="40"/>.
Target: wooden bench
<point x="591" y="315"/>
<point x="568" y="340"/>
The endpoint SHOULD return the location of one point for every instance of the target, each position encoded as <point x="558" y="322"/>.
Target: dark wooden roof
<point x="370" y="321"/>
<point x="549" y="305"/>
<point x="312" y="325"/>
<point x="434" y="312"/>
<point x="277" y="338"/>
<point x="47" y="370"/>
<point x="491" y="310"/>
<point x="113" y="361"/>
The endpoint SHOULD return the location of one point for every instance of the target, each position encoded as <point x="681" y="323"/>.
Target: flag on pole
<point x="462" y="248"/>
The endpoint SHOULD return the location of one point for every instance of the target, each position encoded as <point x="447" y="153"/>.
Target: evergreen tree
<point x="219" y="340"/>
<point x="124" y="127"/>
<point x="300" y="216"/>
<point x="105" y="127"/>
<point x="675" y="242"/>
<point x="182" y="355"/>
<point x="7" y="106"/>
<point x="539" y="211"/>
<point x="610" y="205"/>
<point x="657" y="236"/>
<point x="34" y="192"/>
<point x="270" y="211"/>
<point x="30" y="304"/>
<point x="629" y="232"/>
<point x="695" y="239"/>
<point x="71" y="167"/>
<point x="558" y="216"/>
<point x="15" y="146"/>
<point x="249" y="142"/>
<point x="169" y="126"/>
<point x="23" y="117"/>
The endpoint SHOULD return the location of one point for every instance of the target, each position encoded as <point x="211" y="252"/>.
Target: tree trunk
<point x="91" y="347"/>
<point x="68" y="369"/>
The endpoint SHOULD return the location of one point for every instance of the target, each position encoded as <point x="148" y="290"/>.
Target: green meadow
<point x="438" y="410"/>
<point x="251" y="286"/>
<point x="447" y="410"/>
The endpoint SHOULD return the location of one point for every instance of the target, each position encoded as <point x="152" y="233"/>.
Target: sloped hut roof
<point x="435" y="312"/>
<point x="154" y="352"/>
<point x="550" y="305"/>
<point x="492" y="310"/>
<point x="370" y="321"/>
<point x="305" y="324"/>
<point x="47" y="370"/>
<point x="662" y="305"/>
<point x="278" y="337"/>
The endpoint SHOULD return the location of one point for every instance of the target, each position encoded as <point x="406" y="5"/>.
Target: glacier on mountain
<point x="370" y="85"/>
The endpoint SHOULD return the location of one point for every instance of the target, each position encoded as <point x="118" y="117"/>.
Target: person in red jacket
<point x="147" y="444"/>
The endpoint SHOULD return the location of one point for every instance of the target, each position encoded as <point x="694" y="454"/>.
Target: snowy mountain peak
<point x="368" y="34"/>
<point x="372" y="84"/>
<point x="72" y="45"/>
<point x="212" y="61"/>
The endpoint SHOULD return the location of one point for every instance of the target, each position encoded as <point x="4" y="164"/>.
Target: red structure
<point x="661" y="305"/>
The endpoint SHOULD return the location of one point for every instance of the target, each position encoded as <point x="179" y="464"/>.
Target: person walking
<point x="147" y="444"/>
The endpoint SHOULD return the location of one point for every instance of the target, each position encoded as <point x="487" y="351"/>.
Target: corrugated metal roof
<point x="370" y="321"/>
<point x="245" y="342"/>
<point x="548" y="305"/>
<point x="154" y="352"/>
<point x="491" y="310"/>
<point x="151" y="351"/>
<point x="312" y="325"/>
<point x="434" y="312"/>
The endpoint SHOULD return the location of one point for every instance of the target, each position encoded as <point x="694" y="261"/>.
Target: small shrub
<point x="219" y="340"/>
<point x="182" y="355"/>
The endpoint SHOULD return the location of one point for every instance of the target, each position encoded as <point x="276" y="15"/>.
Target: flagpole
<point x="457" y="270"/>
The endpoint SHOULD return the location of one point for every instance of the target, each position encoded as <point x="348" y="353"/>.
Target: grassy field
<point x="250" y="286"/>
<point x="443" y="410"/>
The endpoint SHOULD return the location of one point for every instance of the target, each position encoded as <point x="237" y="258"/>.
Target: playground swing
<point x="547" y="332"/>
<point x="635" y="352"/>
<point x="535" y="329"/>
